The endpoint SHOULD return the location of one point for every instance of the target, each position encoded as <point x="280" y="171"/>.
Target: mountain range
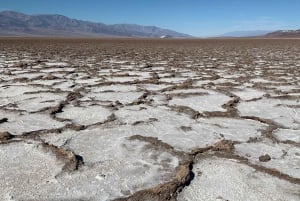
<point x="20" y="24"/>
<point x="285" y="33"/>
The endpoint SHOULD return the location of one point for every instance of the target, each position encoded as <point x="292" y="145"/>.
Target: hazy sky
<point x="195" y="17"/>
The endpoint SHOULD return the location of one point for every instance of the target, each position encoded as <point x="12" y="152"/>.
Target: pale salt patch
<point x="153" y="87"/>
<point x="22" y="101"/>
<point x="230" y="64"/>
<point x="118" y="61"/>
<point x="222" y="80"/>
<point x="122" y="97"/>
<point x="38" y="101"/>
<point x="287" y="135"/>
<point x="233" y="129"/>
<point x="59" y="75"/>
<point x="164" y="74"/>
<point x="173" y="80"/>
<point x="121" y="79"/>
<point x="157" y="68"/>
<point x="284" y="158"/>
<point x="202" y="103"/>
<point x="56" y="63"/>
<point x="115" y="87"/>
<point x="230" y="76"/>
<point x="26" y="169"/>
<point x="273" y="110"/>
<point x="248" y="93"/>
<point x="85" y="115"/>
<point x="30" y="75"/>
<point x="286" y="88"/>
<point x="58" y="139"/>
<point x="50" y="70"/>
<point x="188" y="74"/>
<point x="108" y="70"/>
<point x="185" y="91"/>
<point x="160" y="63"/>
<point x="225" y="179"/>
<point x="18" y="71"/>
<point x="20" y="123"/>
<point x="47" y="82"/>
<point x="261" y="80"/>
<point x="166" y="125"/>
<point x="88" y="81"/>
<point x="16" y="90"/>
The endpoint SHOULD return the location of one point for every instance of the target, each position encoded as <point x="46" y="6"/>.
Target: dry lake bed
<point x="136" y="119"/>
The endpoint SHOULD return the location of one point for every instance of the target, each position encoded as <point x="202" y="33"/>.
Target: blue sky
<point x="195" y="17"/>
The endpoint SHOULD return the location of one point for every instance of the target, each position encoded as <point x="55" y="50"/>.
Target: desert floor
<point x="137" y="119"/>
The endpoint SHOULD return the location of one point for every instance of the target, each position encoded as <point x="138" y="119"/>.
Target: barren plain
<point x="137" y="119"/>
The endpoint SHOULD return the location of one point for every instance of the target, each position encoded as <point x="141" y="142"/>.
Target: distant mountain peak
<point x="19" y="24"/>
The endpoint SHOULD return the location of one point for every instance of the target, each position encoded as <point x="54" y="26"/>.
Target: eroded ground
<point x="126" y="119"/>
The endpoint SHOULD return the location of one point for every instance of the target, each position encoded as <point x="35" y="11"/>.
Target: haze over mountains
<point x="19" y="24"/>
<point x="249" y="33"/>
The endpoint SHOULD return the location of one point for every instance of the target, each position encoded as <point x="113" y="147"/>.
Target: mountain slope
<point x="19" y="24"/>
<point x="285" y="33"/>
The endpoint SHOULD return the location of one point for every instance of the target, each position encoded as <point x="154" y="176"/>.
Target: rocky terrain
<point x="129" y="119"/>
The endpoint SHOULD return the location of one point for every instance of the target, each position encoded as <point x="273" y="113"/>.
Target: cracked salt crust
<point x="225" y="179"/>
<point x="166" y="125"/>
<point x="114" y="166"/>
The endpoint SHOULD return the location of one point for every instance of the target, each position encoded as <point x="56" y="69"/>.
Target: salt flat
<point x="122" y="119"/>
